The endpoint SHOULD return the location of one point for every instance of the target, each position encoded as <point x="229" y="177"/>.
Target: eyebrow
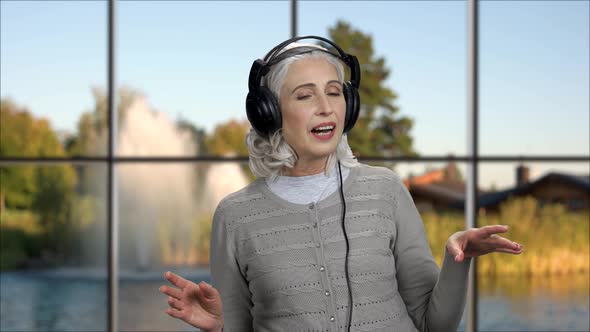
<point x="313" y="85"/>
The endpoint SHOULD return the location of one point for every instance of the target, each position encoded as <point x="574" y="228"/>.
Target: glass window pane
<point x="53" y="66"/>
<point x="423" y="45"/>
<point x="170" y="231"/>
<point x="190" y="71"/>
<point x="438" y="191"/>
<point x="547" y="287"/>
<point x="164" y="226"/>
<point x="53" y="248"/>
<point x="534" y="79"/>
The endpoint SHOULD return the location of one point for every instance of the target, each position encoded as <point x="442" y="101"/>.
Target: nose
<point x="324" y="106"/>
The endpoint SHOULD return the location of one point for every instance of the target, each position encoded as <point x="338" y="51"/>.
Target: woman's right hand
<point x="198" y="305"/>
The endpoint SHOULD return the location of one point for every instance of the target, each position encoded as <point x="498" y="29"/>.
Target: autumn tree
<point x="228" y="139"/>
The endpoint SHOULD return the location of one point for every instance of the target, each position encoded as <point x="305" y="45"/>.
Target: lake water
<point x="63" y="300"/>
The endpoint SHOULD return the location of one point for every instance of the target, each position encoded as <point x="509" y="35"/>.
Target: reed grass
<point x="555" y="241"/>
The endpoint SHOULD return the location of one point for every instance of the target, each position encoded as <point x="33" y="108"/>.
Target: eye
<point x="333" y="91"/>
<point x="303" y="97"/>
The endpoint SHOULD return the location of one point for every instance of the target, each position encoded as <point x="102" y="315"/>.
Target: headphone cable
<point x="347" y="248"/>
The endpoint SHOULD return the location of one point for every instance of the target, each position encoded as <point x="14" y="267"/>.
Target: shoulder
<point x="378" y="173"/>
<point x="251" y="192"/>
<point x="235" y="205"/>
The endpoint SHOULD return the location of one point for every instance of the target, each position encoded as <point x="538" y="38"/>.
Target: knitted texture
<point x="279" y="266"/>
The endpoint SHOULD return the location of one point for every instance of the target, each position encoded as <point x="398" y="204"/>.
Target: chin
<point x="324" y="153"/>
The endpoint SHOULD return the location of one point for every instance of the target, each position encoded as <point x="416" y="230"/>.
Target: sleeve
<point x="435" y="301"/>
<point x="227" y="277"/>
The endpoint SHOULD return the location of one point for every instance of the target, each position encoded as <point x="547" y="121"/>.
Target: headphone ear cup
<point x="352" y="98"/>
<point x="263" y="111"/>
<point x="252" y="111"/>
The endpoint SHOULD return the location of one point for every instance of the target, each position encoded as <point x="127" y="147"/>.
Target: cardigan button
<point x="332" y="319"/>
<point x="322" y="268"/>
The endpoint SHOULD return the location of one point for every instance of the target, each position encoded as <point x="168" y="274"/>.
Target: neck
<point x="303" y="168"/>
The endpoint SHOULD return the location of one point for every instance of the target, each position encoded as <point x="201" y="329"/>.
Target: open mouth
<point x="324" y="130"/>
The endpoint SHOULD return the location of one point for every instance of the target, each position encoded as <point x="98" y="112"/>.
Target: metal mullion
<point x="472" y="147"/>
<point x="200" y="159"/>
<point x="293" y="18"/>
<point x="112" y="220"/>
<point x="478" y="159"/>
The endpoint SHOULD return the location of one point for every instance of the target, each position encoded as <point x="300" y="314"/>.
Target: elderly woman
<point x="320" y="242"/>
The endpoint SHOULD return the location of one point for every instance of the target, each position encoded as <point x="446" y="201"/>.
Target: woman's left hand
<point x="480" y="241"/>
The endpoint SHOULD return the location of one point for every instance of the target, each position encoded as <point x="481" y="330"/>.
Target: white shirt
<point x="309" y="188"/>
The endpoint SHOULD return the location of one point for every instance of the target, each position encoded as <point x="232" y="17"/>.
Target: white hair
<point x="270" y="155"/>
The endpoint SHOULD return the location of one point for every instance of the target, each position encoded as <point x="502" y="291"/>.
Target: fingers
<point x="502" y="242"/>
<point x="487" y="231"/>
<point x="510" y="251"/>
<point x="175" y="304"/>
<point x="176" y="280"/>
<point x="202" y="291"/>
<point x="175" y="313"/>
<point x="210" y="299"/>
<point x="208" y="291"/>
<point x="456" y="253"/>
<point x="170" y="291"/>
<point x="455" y="250"/>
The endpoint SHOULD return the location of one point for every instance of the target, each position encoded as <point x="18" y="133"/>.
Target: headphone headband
<point x="262" y="106"/>
<point x="296" y="51"/>
<point x="269" y="59"/>
<point x="282" y="45"/>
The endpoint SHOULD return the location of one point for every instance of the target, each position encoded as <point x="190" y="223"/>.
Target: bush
<point x="20" y="238"/>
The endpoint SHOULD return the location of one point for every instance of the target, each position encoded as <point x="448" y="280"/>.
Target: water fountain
<point x="159" y="203"/>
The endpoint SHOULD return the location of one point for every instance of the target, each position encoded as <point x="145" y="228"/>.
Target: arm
<point x="227" y="277"/>
<point x="435" y="301"/>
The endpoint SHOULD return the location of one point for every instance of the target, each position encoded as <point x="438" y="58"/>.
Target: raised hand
<point x="480" y="241"/>
<point x="198" y="305"/>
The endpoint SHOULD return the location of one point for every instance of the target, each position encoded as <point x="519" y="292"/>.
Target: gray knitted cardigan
<point x="279" y="266"/>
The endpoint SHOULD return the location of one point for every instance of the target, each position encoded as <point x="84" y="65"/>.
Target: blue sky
<point x="192" y="58"/>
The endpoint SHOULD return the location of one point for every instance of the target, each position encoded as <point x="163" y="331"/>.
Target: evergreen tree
<point x="380" y="130"/>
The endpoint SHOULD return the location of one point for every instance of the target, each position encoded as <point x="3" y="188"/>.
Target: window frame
<point x="472" y="158"/>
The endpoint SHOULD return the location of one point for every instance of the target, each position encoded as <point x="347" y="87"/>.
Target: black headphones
<point x="262" y="107"/>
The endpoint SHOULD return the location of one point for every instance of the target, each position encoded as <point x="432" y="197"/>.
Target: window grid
<point x="471" y="198"/>
<point x="472" y="159"/>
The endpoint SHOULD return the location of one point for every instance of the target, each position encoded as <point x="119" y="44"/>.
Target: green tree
<point x="47" y="190"/>
<point x="379" y="131"/>
<point x="21" y="135"/>
<point x="16" y="183"/>
<point x="55" y="189"/>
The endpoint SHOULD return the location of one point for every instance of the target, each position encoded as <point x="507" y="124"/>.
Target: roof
<point x="440" y="191"/>
<point x="580" y="182"/>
